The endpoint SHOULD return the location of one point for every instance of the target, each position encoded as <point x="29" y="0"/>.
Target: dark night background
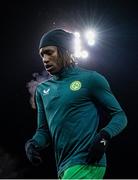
<point x="115" y="55"/>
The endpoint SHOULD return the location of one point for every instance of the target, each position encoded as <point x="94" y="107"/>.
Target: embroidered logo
<point x="75" y="85"/>
<point x="46" y="91"/>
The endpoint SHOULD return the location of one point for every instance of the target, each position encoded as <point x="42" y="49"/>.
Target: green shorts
<point x="84" y="172"/>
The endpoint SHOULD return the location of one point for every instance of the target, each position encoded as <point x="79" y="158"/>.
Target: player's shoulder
<point x="91" y="73"/>
<point x="99" y="79"/>
<point x="94" y="77"/>
<point x="85" y="71"/>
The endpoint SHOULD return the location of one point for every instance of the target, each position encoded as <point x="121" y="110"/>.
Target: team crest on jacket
<point x="75" y="85"/>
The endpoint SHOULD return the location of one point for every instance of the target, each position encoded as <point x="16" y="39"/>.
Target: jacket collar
<point x="65" y="72"/>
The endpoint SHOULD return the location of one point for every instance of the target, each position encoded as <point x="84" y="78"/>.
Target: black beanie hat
<point x="59" y="38"/>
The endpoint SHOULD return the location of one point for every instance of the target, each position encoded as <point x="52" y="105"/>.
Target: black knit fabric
<point x="59" y="38"/>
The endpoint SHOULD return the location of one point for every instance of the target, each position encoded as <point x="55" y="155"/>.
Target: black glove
<point x="32" y="152"/>
<point x="98" y="147"/>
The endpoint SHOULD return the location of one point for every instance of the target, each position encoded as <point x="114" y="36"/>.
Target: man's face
<point x="52" y="62"/>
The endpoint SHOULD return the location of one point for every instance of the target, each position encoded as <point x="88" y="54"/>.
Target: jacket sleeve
<point x="103" y="94"/>
<point x="42" y="135"/>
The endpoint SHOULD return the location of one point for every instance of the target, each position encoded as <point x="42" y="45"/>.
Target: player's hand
<point x="98" y="147"/>
<point x="32" y="152"/>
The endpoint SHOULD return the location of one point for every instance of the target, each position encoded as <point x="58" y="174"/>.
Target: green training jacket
<point x="68" y="117"/>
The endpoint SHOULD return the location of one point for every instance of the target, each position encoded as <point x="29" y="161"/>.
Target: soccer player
<point x="68" y="114"/>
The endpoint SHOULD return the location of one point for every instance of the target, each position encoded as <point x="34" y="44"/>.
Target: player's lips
<point x="49" y="67"/>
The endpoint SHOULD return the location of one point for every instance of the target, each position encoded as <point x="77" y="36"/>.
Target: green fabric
<point x="67" y="113"/>
<point x="84" y="172"/>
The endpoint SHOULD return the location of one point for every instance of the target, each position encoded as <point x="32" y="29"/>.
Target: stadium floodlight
<point x="77" y="34"/>
<point x="90" y="37"/>
<point x="84" y="54"/>
<point x="91" y="42"/>
<point x="77" y="45"/>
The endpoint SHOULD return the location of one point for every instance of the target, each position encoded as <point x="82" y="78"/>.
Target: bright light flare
<point x="77" y="45"/>
<point x="90" y="36"/>
<point x="77" y="34"/>
<point x="84" y="54"/>
<point x="91" y="42"/>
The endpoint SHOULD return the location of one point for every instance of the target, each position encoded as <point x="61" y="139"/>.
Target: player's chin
<point x="52" y="71"/>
